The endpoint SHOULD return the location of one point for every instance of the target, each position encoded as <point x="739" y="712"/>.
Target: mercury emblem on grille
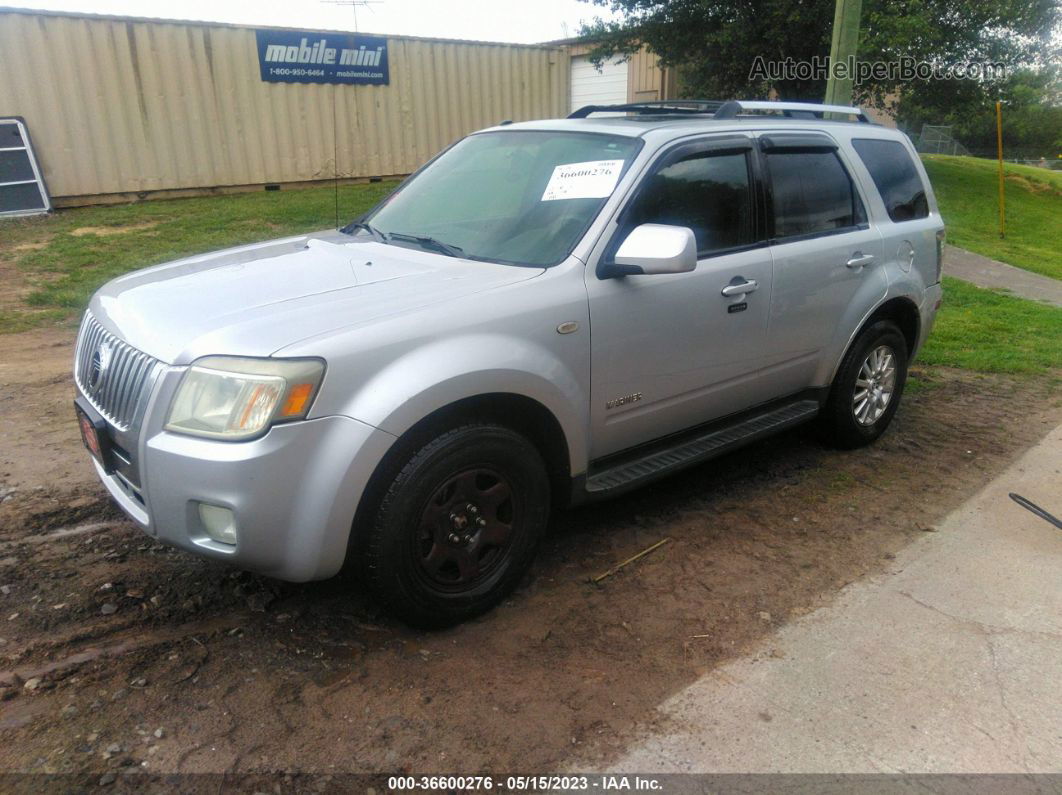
<point x="101" y="360"/>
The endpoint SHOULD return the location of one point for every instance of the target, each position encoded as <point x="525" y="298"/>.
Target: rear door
<point x="827" y="257"/>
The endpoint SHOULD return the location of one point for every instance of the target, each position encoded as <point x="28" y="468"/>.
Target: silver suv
<point x="546" y="313"/>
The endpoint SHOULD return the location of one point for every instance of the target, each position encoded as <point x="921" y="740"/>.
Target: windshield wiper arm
<point x="429" y="242"/>
<point x="382" y="237"/>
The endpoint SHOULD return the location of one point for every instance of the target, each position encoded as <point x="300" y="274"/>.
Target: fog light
<point x="219" y="523"/>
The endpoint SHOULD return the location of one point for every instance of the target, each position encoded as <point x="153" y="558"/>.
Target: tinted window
<point x="709" y="193"/>
<point x="895" y="176"/>
<point x="811" y="193"/>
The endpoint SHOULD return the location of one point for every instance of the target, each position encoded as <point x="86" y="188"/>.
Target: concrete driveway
<point x="950" y="662"/>
<point x="990" y="273"/>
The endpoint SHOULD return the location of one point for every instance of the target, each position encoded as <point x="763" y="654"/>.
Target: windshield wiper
<point x="423" y="240"/>
<point x="372" y="230"/>
<point x="429" y="242"/>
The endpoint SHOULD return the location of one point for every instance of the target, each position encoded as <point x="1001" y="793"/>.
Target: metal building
<point x="120" y="107"/>
<point x="639" y="78"/>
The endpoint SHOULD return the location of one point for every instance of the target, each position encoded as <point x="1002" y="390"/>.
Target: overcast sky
<point x="492" y="20"/>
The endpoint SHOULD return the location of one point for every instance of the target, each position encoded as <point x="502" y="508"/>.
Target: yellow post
<point x="999" y="147"/>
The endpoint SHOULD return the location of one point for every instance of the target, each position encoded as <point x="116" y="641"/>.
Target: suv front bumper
<point x="293" y="493"/>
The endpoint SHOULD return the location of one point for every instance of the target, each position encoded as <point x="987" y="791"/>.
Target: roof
<point x="680" y="117"/>
<point x="675" y="127"/>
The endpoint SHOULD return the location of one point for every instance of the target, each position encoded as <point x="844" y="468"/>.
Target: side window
<point x="811" y="193"/>
<point x="895" y="177"/>
<point x="707" y="192"/>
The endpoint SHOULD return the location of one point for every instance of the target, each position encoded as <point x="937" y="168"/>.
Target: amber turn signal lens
<point x="297" y="400"/>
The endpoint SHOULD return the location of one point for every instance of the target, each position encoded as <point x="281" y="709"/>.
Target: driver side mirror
<point x="655" y="248"/>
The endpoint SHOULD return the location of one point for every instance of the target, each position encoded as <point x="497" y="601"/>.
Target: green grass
<point x="990" y="331"/>
<point x="967" y="190"/>
<point x="52" y="272"/>
<point x="49" y="272"/>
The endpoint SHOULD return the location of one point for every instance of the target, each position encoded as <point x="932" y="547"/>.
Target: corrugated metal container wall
<point x="129" y="106"/>
<point x="647" y="81"/>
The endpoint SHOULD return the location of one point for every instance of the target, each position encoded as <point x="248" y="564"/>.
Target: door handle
<point x="748" y="286"/>
<point x="859" y="260"/>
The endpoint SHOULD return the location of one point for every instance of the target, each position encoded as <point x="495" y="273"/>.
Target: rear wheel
<point x="458" y="526"/>
<point x="866" y="391"/>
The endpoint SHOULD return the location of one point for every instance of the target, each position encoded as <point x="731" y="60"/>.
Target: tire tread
<point x="837" y="425"/>
<point x="379" y="574"/>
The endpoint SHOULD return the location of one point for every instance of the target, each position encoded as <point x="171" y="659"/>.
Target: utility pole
<point x="844" y="45"/>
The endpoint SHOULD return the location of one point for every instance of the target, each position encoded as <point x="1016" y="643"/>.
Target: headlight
<point x="225" y="397"/>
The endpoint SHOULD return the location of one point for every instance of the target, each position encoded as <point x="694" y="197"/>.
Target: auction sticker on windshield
<point x="591" y="180"/>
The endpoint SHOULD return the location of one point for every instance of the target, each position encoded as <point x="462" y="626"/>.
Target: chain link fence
<point x="938" y="140"/>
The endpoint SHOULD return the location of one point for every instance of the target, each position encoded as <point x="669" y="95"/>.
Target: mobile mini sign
<point x="289" y="56"/>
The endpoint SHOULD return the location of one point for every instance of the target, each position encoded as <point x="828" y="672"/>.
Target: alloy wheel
<point x="875" y="385"/>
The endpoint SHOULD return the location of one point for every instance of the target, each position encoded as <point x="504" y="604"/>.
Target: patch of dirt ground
<point x="107" y="231"/>
<point x="119" y="654"/>
<point x="18" y="285"/>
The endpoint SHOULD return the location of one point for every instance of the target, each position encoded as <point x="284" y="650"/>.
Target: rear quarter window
<point x="895" y="177"/>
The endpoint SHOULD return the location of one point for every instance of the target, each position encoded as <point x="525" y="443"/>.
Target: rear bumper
<point x="931" y="299"/>
<point x="293" y="493"/>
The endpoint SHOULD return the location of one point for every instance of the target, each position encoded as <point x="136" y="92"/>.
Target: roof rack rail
<point x="722" y="110"/>
<point x="679" y="107"/>
<point x="790" y="110"/>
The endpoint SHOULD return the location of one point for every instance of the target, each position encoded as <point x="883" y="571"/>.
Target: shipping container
<point x="121" y="108"/>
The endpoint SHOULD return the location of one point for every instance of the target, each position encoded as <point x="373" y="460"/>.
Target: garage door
<point x="591" y="87"/>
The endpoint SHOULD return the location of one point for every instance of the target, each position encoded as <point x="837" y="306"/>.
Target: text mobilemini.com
<point x="905" y="69"/>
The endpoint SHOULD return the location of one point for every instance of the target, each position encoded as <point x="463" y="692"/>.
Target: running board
<point x="707" y="445"/>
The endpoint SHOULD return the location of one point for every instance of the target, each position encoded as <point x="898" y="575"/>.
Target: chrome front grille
<point x="112" y="374"/>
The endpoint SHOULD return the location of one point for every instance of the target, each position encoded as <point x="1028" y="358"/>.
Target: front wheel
<point x="458" y="526"/>
<point x="867" y="388"/>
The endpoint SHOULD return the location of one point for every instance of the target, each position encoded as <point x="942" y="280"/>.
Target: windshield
<point x="520" y="197"/>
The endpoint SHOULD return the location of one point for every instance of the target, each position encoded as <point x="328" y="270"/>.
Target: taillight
<point x="940" y="252"/>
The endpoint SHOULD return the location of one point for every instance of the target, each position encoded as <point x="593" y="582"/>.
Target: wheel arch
<point x="517" y="412"/>
<point x="902" y="311"/>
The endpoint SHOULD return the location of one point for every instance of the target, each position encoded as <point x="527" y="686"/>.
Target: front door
<point x="671" y="351"/>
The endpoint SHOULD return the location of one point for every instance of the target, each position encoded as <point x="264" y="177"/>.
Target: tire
<point x="458" y="526"/>
<point x="878" y="358"/>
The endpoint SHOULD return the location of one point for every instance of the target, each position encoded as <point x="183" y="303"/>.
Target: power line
<point x="354" y="4"/>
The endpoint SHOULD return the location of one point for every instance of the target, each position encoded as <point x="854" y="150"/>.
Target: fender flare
<point x="424" y="380"/>
<point x="865" y="321"/>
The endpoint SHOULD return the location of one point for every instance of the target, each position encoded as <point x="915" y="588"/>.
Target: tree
<point x="1032" y="113"/>
<point x="714" y="43"/>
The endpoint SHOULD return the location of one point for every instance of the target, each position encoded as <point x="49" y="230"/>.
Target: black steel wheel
<point x="458" y="526"/>
<point x="466" y="528"/>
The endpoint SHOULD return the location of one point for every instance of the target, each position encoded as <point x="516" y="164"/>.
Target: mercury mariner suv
<point x="546" y="313"/>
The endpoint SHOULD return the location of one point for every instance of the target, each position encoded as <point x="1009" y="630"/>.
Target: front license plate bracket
<point x="95" y="434"/>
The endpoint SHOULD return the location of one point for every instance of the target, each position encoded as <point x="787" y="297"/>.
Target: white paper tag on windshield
<point x="592" y="180"/>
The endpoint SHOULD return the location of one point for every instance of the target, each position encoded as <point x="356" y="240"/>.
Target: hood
<point x="254" y="300"/>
